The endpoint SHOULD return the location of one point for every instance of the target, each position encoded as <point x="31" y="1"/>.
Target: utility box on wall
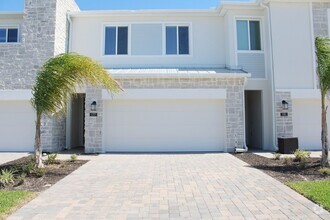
<point x="287" y="145"/>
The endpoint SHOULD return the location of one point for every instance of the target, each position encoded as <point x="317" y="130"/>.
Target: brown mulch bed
<point x="285" y="171"/>
<point x="32" y="182"/>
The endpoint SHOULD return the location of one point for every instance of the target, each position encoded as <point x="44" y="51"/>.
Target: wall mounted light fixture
<point x="285" y="105"/>
<point x="93" y="106"/>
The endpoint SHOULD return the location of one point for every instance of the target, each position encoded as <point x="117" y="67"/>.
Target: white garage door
<point x="164" y="126"/>
<point x="17" y="127"/>
<point x="307" y="123"/>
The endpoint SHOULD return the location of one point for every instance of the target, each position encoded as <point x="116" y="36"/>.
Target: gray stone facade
<point x="43" y="35"/>
<point x="284" y="124"/>
<point x="320" y="18"/>
<point x="234" y="105"/>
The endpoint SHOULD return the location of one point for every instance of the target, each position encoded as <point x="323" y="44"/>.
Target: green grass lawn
<point x="10" y="200"/>
<point x="317" y="191"/>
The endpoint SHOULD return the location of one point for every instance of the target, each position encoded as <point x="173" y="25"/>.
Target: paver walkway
<point x="183" y="186"/>
<point x="7" y="157"/>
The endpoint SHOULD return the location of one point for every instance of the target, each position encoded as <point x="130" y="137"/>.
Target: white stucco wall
<point x="292" y="44"/>
<point x="207" y="44"/>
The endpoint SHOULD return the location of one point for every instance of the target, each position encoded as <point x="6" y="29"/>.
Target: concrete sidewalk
<point x="6" y="157"/>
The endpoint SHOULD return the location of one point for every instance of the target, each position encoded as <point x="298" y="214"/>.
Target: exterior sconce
<point x="285" y="105"/>
<point x="93" y="106"/>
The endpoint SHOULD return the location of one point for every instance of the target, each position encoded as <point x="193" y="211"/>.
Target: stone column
<point x="284" y="124"/>
<point x="235" y="113"/>
<point x="93" y="124"/>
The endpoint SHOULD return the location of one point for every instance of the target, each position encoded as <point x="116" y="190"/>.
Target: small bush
<point x="6" y="177"/>
<point x="325" y="171"/>
<point x="29" y="168"/>
<point x="51" y="158"/>
<point x="74" y="157"/>
<point x="301" y="155"/>
<point x="40" y="172"/>
<point x="286" y="160"/>
<point x="21" y="179"/>
<point x="277" y="156"/>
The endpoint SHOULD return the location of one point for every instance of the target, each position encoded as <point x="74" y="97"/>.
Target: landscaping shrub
<point x="277" y="156"/>
<point x="287" y="160"/>
<point x="301" y="155"/>
<point x="51" y="158"/>
<point x="6" y="177"/>
<point x="28" y="169"/>
<point x="325" y="171"/>
<point x="74" y="157"/>
<point x="21" y="179"/>
<point x="40" y="172"/>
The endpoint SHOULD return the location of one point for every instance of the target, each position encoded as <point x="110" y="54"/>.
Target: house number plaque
<point x="93" y="114"/>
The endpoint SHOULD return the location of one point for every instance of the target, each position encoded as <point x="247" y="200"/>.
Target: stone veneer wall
<point x="320" y="18"/>
<point x="234" y="105"/>
<point x="284" y="124"/>
<point x="43" y="35"/>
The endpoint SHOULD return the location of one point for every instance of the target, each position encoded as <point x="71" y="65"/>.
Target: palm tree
<point x="323" y="70"/>
<point x="57" y="81"/>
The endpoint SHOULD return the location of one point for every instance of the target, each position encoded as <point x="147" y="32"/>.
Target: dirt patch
<point x="285" y="170"/>
<point x="38" y="181"/>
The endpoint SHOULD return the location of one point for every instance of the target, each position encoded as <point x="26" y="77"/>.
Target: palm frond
<point x="58" y="78"/>
<point x="322" y="46"/>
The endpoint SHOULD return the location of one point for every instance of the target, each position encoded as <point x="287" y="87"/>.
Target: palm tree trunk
<point x="37" y="147"/>
<point x="325" y="143"/>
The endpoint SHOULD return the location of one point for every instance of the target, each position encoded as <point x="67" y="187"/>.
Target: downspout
<point x="245" y="148"/>
<point x="270" y="32"/>
<point x="68" y="49"/>
<point x="68" y="108"/>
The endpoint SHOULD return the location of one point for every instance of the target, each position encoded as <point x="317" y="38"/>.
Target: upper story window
<point x="177" y="40"/>
<point x="9" y="35"/>
<point x="248" y="35"/>
<point x="116" y="40"/>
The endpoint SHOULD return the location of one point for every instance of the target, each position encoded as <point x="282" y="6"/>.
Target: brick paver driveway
<point x="162" y="186"/>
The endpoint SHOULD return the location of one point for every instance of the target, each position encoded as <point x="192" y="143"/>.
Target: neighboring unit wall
<point x="43" y="35"/>
<point x="234" y="105"/>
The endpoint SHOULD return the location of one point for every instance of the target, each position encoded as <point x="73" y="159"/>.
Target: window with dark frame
<point x="177" y="40"/>
<point x="116" y="40"/>
<point x="9" y="35"/>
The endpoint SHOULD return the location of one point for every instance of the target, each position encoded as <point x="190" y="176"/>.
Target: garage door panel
<point x="17" y="127"/>
<point x="307" y="123"/>
<point x="165" y="125"/>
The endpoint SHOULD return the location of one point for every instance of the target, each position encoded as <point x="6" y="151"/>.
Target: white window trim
<point x="116" y="25"/>
<point x="164" y="24"/>
<point x="11" y="27"/>
<point x="248" y="19"/>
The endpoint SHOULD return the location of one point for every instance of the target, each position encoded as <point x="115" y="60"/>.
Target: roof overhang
<point x="177" y="73"/>
<point x="11" y="15"/>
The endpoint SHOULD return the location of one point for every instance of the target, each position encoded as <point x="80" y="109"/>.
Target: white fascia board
<point x="10" y="15"/>
<point x="292" y="1"/>
<point x="225" y="6"/>
<point x="15" y="95"/>
<point x="145" y="13"/>
<point x="297" y="94"/>
<point x="181" y="76"/>
<point x="167" y="94"/>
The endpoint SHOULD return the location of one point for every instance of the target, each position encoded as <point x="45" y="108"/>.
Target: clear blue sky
<point x="18" y="5"/>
